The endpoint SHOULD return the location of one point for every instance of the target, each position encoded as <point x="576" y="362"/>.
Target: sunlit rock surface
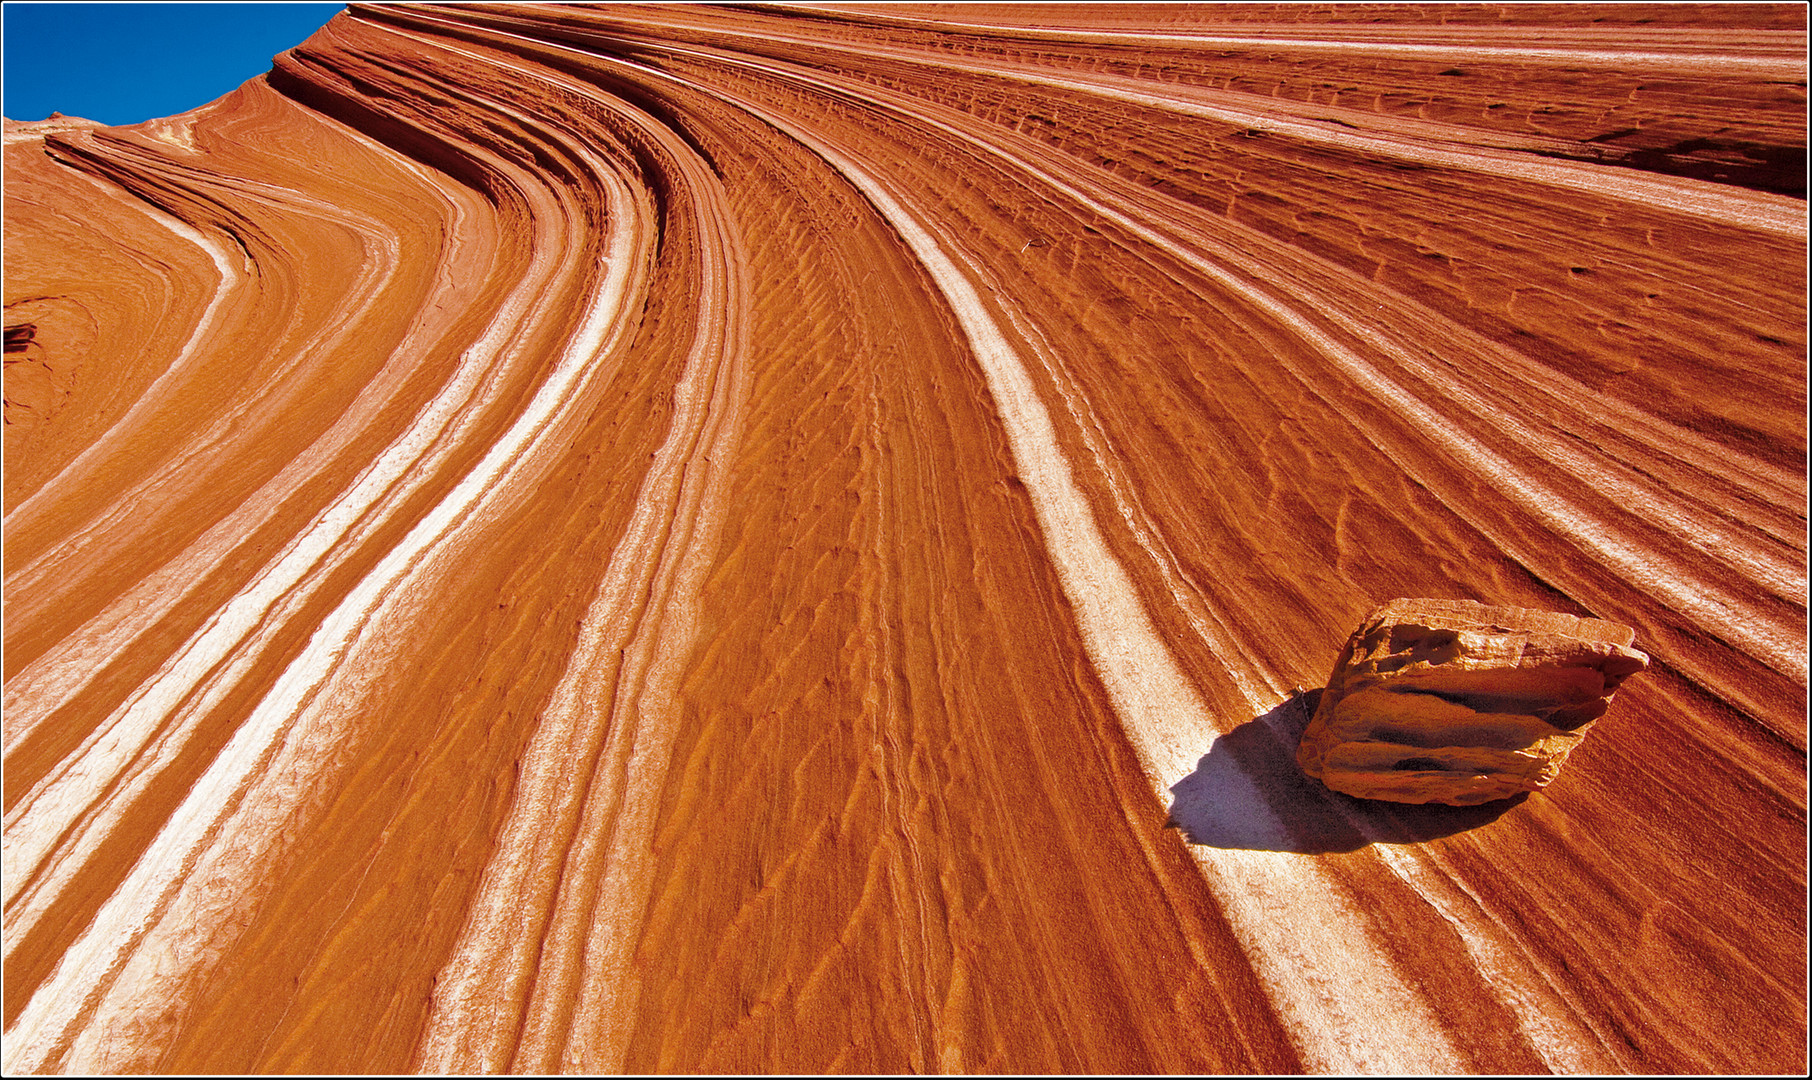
<point x="546" y="538"/>
<point x="1461" y="703"/>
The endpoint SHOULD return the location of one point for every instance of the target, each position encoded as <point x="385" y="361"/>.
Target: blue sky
<point x="124" y="63"/>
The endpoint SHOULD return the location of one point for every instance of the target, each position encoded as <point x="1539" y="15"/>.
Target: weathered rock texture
<point x="1456" y="702"/>
<point x="563" y="538"/>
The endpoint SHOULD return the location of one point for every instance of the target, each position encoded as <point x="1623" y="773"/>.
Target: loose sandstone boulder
<point x="1453" y="701"/>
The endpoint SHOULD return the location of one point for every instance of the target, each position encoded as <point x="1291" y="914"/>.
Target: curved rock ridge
<point x="548" y="538"/>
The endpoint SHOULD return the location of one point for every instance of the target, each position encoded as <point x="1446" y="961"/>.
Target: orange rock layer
<point x="579" y="539"/>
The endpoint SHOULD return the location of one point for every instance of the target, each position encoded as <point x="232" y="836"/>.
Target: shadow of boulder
<point x="1248" y="793"/>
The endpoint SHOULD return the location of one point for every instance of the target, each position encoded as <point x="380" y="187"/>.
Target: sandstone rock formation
<point x="565" y="538"/>
<point x="1456" y="702"/>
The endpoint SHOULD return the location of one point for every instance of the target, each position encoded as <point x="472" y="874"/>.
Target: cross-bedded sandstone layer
<point x="553" y="538"/>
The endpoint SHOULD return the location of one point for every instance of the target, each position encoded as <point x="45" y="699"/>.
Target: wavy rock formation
<point x="551" y="538"/>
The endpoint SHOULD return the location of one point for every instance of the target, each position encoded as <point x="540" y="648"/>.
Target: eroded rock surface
<point x="1457" y="702"/>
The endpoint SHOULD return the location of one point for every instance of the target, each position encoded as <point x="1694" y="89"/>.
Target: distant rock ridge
<point x="54" y="124"/>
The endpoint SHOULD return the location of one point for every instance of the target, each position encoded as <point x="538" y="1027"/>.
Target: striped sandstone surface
<point x="549" y="538"/>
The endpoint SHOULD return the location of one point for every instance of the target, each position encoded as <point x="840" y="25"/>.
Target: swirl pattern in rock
<point x="554" y="538"/>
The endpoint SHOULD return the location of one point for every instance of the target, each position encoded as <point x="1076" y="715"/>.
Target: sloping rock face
<point x="556" y="538"/>
<point x="1456" y="702"/>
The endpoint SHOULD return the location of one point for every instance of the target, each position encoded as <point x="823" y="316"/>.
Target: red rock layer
<point x="547" y="538"/>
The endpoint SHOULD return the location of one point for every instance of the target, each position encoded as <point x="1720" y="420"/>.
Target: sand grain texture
<point x="564" y="538"/>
